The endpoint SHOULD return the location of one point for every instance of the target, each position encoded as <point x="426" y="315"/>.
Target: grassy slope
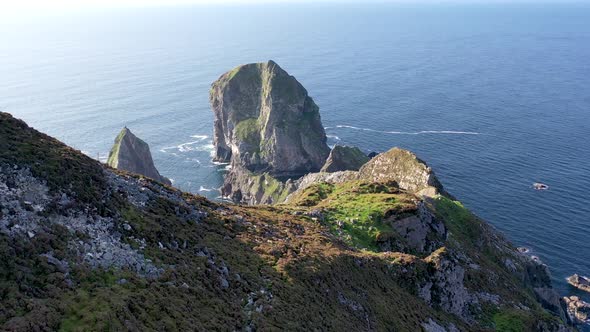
<point x="360" y="209"/>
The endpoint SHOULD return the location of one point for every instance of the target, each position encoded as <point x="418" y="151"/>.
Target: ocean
<point x="493" y="97"/>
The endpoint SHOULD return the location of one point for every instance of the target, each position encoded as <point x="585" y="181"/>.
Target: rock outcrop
<point x="403" y="167"/>
<point x="578" y="310"/>
<point x="344" y="158"/>
<point x="397" y="165"/>
<point x="579" y="282"/>
<point x="129" y="153"/>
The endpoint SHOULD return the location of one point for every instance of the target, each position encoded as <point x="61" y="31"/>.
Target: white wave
<point x="334" y="137"/>
<point x="422" y="132"/>
<point x="201" y="137"/>
<point x="188" y="146"/>
<point x="219" y="163"/>
<point x="201" y="188"/>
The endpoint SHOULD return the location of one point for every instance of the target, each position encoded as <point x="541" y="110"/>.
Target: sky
<point x="45" y="6"/>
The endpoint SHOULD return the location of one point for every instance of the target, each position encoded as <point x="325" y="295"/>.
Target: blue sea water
<point x="493" y="97"/>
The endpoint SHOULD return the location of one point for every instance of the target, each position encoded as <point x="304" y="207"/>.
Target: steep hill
<point x="84" y="247"/>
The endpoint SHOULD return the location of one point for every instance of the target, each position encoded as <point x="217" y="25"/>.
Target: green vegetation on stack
<point x="356" y="210"/>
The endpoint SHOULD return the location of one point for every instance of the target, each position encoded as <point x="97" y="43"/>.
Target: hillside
<point x="84" y="247"/>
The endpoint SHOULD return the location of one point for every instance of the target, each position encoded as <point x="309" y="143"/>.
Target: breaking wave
<point x="201" y="144"/>
<point x="201" y="188"/>
<point x="422" y="132"/>
<point x="336" y="138"/>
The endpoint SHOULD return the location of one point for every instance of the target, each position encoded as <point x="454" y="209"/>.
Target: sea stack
<point x="131" y="154"/>
<point x="265" y="123"/>
<point x="265" y="120"/>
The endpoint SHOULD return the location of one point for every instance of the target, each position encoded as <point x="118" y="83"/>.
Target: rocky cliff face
<point x="129" y="153"/>
<point x="344" y="158"/>
<point x="85" y="247"/>
<point x="265" y="123"/>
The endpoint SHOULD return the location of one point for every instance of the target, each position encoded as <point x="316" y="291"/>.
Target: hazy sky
<point x="29" y="6"/>
<point x="55" y="4"/>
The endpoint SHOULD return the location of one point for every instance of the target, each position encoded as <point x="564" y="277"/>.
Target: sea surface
<point x="493" y="97"/>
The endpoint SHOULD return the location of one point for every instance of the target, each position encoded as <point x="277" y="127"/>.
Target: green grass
<point x="510" y="321"/>
<point x="463" y="224"/>
<point x="359" y="207"/>
<point x="248" y="131"/>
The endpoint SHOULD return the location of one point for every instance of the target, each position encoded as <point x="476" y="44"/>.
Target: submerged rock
<point x="129" y="153"/>
<point x="344" y="158"/>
